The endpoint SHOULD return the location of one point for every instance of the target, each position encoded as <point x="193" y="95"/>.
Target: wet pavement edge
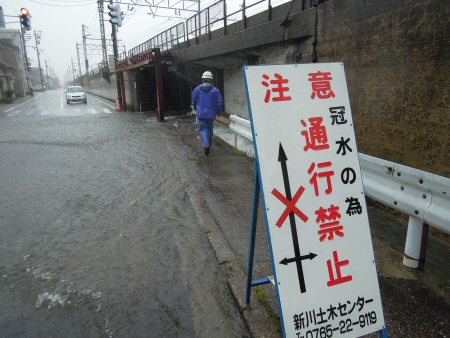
<point x="255" y="316"/>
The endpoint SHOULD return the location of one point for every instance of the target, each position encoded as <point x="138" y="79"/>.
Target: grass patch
<point x="263" y="300"/>
<point x="237" y="152"/>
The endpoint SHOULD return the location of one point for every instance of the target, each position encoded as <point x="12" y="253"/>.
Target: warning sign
<point x="314" y="200"/>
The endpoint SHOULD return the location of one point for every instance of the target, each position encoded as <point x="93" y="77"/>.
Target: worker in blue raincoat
<point x="208" y="102"/>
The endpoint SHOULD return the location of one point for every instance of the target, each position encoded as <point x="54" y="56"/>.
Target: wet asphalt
<point x="100" y="238"/>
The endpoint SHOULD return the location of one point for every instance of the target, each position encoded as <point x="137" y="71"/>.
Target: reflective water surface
<point x="98" y="236"/>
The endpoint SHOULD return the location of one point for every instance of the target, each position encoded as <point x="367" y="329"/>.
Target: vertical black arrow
<point x="282" y="158"/>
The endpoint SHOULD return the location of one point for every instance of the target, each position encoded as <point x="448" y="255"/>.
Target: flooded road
<point x="98" y="235"/>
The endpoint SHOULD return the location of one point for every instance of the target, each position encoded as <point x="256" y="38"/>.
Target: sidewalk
<point x="220" y="187"/>
<point x="6" y="107"/>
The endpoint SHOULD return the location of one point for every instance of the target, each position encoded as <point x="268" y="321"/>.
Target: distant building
<point x="6" y="82"/>
<point x="14" y="79"/>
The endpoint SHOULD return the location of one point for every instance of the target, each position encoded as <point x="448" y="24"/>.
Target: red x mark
<point x="290" y="206"/>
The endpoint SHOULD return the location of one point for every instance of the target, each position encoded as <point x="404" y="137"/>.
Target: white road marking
<point x="105" y="103"/>
<point x="45" y="112"/>
<point x="107" y="111"/>
<point x="92" y="111"/>
<point x="8" y="110"/>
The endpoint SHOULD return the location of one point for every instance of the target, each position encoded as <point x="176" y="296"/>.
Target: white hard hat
<point x="207" y="75"/>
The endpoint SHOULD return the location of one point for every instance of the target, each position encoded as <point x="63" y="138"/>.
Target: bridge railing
<point x="423" y="196"/>
<point x="203" y="23"/>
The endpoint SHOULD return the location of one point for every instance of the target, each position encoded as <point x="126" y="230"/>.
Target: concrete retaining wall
<point x="99" y="86"/>
<point x="396" y="56"/>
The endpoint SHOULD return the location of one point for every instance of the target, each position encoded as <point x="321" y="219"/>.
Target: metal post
<point x="156" y="55"/>
<point x="122" y="86"/>
<point x="423" y="247"/>
<point x="224" y="17"/>
<point x="411" y="255"/>
<point x="105" y="70"/>
<point x="270" y="10"/>
<point x="27" y="67"/>
<point x="209" y="25"/>
<point x="116" y="57"/>
<point x="384" y="333"/>
<point x="251" y="254"/>
<point x="195" y="22"/>
<point x="244" y="18"/>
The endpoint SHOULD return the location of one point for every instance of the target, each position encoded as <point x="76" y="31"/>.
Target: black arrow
<point x="283" y="158"/>
<point x="286" y="260"/>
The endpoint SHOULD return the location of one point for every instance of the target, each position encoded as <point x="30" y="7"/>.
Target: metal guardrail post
<point x="187" y="33"/>
<point x="195" y="28"/>
<point x="209" y="24"/>
<point x="423" y="248"/>
<point x="269" y="9"/>
<point x="411" y="255"/>
<point x="244" y="18"/>
<point x="224" y="17"/>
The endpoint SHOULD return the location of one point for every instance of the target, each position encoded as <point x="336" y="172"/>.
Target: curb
<point x="255" y="317"/>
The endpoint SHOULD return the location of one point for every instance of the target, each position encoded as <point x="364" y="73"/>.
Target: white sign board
<point x="314" y="200"/>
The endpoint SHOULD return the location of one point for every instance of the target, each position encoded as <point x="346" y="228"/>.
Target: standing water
<point x="98" y="235"/>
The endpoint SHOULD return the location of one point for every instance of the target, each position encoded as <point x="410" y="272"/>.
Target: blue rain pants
<point x="205" y="127"/>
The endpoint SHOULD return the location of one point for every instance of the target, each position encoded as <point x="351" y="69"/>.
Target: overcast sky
<point x="60" y="23"/>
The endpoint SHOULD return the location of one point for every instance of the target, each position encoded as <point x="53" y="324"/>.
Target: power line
<point x="62" y="1"/>
<point x="47" y="4"/>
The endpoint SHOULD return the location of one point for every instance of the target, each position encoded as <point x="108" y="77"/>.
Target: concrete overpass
<point x="395" y="54"/>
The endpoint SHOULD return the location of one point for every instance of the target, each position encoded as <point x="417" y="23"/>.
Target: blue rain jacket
<point x="207" y="101"/>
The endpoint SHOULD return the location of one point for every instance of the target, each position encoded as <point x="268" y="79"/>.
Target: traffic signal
<point x="115" y="14"/>
<point x="25" y="19"/>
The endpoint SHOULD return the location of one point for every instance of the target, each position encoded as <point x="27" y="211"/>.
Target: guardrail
<point x="423" y="196"/>
<point x="241" y="127"/>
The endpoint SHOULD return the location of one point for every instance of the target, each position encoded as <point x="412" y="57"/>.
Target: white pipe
<point x="411" y="255"/>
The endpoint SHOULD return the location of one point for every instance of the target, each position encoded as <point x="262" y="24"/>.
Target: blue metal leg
<point x="384" y="333"/>
<point x="253" y="234"/>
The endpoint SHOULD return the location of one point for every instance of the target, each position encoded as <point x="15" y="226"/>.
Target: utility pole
<point x="116" y="58"/>
<point x="39" y="60"/>
<point x="86" y="62"/>
<point x="27" y="66"/>
<point x="46" y="72"/>
<point x="74" y="72"/>
<point x="79" y="63"/>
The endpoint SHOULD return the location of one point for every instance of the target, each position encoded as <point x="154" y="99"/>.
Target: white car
<point x="75" y="94"/>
